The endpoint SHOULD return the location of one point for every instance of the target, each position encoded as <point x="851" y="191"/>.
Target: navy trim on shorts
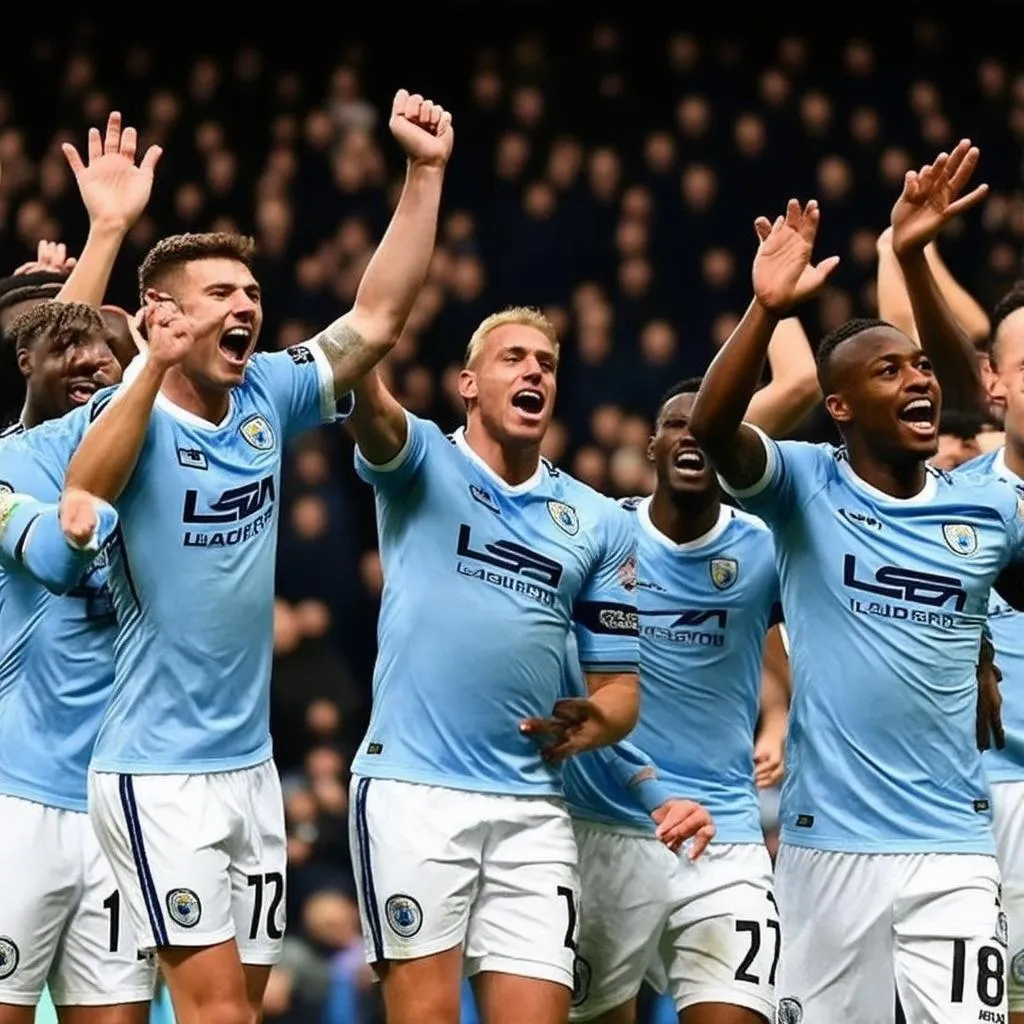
<point x="149" y="895"/>
<point x="366" y="871"/>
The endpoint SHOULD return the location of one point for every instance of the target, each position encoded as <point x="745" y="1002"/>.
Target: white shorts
<point x="200" y="859"/>
<point x="439" y="868"/>
<point x="61" y="920"/>
<point x="1008" y="822"/>
<point x="853" y="920"/>
<point x="705" y="931"/>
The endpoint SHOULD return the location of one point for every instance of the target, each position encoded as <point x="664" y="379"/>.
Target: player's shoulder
<point x="745" y="524"/>
<point x="983" y="465"/>
<point x="572" y="491"/>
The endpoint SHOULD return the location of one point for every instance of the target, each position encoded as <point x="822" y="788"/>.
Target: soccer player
<point x="61" y="921"/>
<point x="708" y="595"/>
<point x="1005" y="767"/>
<point x="886" y="865"/>
<point x="182" y="791"/>
<point x="465" y="852"/>
<point x="60" y="915"/>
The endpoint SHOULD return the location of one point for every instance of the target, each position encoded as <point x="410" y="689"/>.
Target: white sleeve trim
<point x="328" y="400"/>
<point x="766" y="477"/>
<point x="396" y="461"/>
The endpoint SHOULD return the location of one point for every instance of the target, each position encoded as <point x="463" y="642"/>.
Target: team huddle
<point x="575" y="699"/>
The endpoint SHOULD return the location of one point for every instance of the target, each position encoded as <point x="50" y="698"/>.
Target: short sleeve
<point x="399" y="470"/>
<point x="1015" y="528"/>
<point x="605" y="612"/>
<point x="793" y="470"/>
<point x="301" y="385"/>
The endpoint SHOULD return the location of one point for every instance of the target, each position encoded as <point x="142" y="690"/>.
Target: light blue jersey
<point x="482" y="582"/>
<point x="704" y="607"/>
<point x="56" y="653"/>
<point x="885" y="600"/>
<point x="192" y="575"/>
<point x="1007" y="629"/>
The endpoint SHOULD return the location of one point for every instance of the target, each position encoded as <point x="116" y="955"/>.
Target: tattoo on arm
<point x="348" y="352"/>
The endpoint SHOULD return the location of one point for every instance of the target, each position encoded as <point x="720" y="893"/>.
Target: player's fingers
<point x="73" y="158"/>
<point x="541" y="727"/>
<point x="446" y="123"/>
<point x="129" y="143"/>
<point x="967" y="201"/>
<point x="436" y="113"/>
<point x="399" y="103"/>
<point x="426" y="112"/>
<point x="95" y="144"/>
<point x="151" y="158"/>
<point x="762" y="227"/>
<point x="963" y="153"/>
<point x="793" y="214"/>
<point x="701" y="841"/>
<point x="412" y="107"/>
<point x="113" y="140"/>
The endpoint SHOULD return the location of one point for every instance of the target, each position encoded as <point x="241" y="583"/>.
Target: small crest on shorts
<point x="184" y="907"/>
<point x="790" y="1011"/>
<point x="581" y="975"/>
<point x="256" y="431"/>
<point x="960" y="538"/>
<point x="1002" y="935"/>
<point x="565" y="517"/>
<point x="1017" y="967"/>
<point x="724" y="572"/>
<point x="404" y="914"/>
<point x="9" y="957"/>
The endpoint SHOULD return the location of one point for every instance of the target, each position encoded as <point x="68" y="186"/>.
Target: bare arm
<point x="105" y="459"/>
<point x="793" y="391"/>
<point x="617" y="698"/>
<point x="356" y="342"/>
<point x="377" y="424"/>
<point x="115" y="193"/>
<point x="769" y="749"/>
<point x="783" y="276"/>
<point x="894" y="302"/>
<point x="928" y="201"/>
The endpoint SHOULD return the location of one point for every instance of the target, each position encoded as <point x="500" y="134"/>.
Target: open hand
<point x="114" y="190"/>
<point x="783" y="273"/>
<point x="930" y="198"/>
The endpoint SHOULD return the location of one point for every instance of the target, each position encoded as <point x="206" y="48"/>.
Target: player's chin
<point x="686" y="483"/>
<point x="920" y="441"/>
<point x="527" y="429"/>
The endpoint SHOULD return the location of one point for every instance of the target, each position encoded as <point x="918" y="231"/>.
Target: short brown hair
<point x="61" y="321"/>
<point x="176" y="250"/>
<point x="527" y="316"/>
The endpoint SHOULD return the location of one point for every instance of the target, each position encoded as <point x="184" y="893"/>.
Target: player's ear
<point x="838" y="408"/>
<point x="24" y="358"/>
<point x="650" y="448"/>
<point x="994" y="385"/>
<point x="467" y="385"/>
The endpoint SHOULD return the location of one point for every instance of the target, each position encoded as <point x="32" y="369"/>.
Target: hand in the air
<point x="423" y="128"/>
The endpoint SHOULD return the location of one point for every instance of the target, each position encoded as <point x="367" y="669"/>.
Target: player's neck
<point x="514" y="465"/>
<point x="684" y="519"/>
<point x="1013" y="454"/>
<point x="209" y="405"/>
<point x="901" y="479"/>
<point x="30" y="416"/>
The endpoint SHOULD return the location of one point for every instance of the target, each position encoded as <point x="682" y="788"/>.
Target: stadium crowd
<point x="605" y="173"/>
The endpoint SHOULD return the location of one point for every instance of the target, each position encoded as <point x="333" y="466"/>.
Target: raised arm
<point x="115" y="192"/>
<point x="106" y="457"/>
<point x="793" y="390"/>
<point x="928" y="202"/>
<point x="783" y="276"/>
<point x="356" y="342"/>
<point x="894" y="302"/>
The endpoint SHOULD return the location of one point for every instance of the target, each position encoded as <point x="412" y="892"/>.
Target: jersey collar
<point x="643" y="511"/>
<point x="923" y="496"/>
<point x="1001" y="469"/>
<point x="527" y="485"/>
